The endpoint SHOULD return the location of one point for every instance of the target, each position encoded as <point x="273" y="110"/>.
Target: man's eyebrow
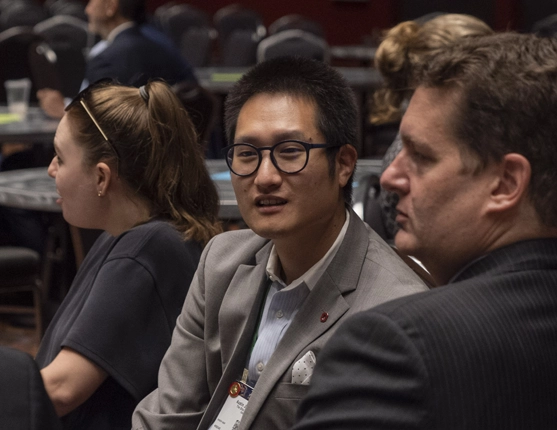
<point x="413" y="143"/>
<point x="278" y="137"/>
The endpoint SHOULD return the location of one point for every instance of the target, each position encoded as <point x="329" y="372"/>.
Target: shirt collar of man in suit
<point x="116" y="31"/>
<point x="314" y="273"/>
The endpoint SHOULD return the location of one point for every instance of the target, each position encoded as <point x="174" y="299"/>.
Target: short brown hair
<point x="508" y="100"/>
<point x="157" y="153"/>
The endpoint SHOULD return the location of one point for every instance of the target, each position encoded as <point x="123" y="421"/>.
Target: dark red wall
<point x="353" y="22"/>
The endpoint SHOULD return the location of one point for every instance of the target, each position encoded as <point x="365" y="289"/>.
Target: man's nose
<point x="267" y="174"/>
<point x="394" y="178"/>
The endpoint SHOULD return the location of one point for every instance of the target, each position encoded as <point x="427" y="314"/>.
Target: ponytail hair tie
<point x="143" y="93"/>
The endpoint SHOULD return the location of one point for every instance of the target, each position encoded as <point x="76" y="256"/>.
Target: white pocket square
<point x="303" y="369"/>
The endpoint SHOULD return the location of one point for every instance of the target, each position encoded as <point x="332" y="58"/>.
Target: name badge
<point x="233" y="409"/>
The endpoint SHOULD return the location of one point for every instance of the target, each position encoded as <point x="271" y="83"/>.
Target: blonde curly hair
<point x="406" y="44"/>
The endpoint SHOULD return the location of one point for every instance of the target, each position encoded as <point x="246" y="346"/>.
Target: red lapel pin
<point x="324" y="317"/>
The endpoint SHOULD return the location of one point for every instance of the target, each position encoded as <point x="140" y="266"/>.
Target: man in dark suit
<point x="23" y="399"/>
<point x="478" y="206"/>
<point x="130" y="51"/>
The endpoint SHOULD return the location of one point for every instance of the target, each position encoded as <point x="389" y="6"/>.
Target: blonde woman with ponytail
<point x="402" y="48"/>
<point x="127" y="162"/>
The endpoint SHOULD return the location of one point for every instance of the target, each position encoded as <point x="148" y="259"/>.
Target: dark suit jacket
<point x="480" y="353"/>
<point x="134" y="57"/>
<point x="24" y="404"/>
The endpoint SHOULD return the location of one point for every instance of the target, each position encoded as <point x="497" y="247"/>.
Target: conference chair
<point x="293" y="42"/>
<point x="239" y="32"/>
<point x="191" y="31"/>
<point x="25" y="54"/>
<point x="201" y="106"/>
<point x="160" y="12"/>
<point x="21" y="13"/>
<point x="71" y="40"/>
<point x="20" y="278"/>
<point x="75" y="8"/>
<point x="546" y="27"/>
<point x="196" y="45"/>
<point x="296" y="21"/>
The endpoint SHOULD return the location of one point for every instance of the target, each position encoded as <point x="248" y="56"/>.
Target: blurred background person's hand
<point x="51" y="102"/>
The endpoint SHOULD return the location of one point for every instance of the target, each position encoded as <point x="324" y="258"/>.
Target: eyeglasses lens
<point x="289" y="157"/>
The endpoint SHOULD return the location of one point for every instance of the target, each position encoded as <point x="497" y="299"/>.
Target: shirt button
<point x="279" y="314"/>
<point x="260" y="367"/>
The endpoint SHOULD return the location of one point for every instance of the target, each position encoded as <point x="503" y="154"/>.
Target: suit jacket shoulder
<point x="478" y="353"/>
<point x="133" y="59"/>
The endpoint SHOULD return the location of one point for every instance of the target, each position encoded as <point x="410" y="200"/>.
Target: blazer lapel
<point x="327" y="296"/>
<point x="237" y="319"/>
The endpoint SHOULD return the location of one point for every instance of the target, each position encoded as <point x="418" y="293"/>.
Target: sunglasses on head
<point x="80" y="99"/>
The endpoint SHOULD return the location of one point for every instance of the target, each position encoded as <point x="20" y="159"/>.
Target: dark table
<point x="35" y="128"/>
<point x="363" y="54"/>
<point x="33" y="189"/>
<point x="222" y="79"/>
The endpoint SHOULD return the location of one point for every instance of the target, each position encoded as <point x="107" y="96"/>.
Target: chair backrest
<point x="25" y="54"/>
<point x="239" y="49"/>
<point x="293" y="42"/>
<point x="366" y="205"/>
<point x="66" y="30"/>
<point x="73" y="8"/>
<point x="295" y="21"/>
<point x="180" y="18"/>
<point x="196" y="45"/>
<point x="546" y="27"/>
<point x="234" y="17"/>
<point x="200" y="105"/>
<point x="160" y="13"/>
<point x="71" y="40"/>
<point x="21" y="13"/>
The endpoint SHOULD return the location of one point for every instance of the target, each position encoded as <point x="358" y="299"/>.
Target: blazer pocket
<point x="288" y="391"/>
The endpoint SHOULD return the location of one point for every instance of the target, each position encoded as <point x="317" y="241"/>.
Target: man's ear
<point x="346" y="162"/>
<point x="510" y="186"/>
<point x="104" y="176"/>
<point x="111" y="8"/>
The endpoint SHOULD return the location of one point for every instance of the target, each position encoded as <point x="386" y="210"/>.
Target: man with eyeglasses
<point x="265" y="300"/>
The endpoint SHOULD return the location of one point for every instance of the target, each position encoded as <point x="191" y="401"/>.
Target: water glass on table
<point x="17" y="95"/>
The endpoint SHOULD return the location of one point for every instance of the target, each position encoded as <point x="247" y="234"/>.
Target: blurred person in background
<point x="131" y="51"/>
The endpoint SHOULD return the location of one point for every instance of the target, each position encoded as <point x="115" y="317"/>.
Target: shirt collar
<point x="314" y="273"/>
<point x="116" y="31"/>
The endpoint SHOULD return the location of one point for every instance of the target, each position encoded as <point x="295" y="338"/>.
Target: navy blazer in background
<point x="479" y="353"/>
<point x="135" y="56"/>
<point x="24" y="403"/>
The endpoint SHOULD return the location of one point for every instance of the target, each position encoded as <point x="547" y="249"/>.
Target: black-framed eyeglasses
<point x="288" y="156"/>
<point x="80" y="99"/>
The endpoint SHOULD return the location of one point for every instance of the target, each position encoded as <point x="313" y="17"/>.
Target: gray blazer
<point x="213" y="334"/>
